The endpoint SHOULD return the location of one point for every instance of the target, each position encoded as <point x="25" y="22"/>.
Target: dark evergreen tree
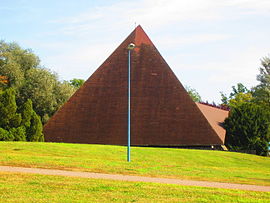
<point x="34" y="131"/>
<point x="26" y="111"/>
<point x="18" y="134"/>
<point x="8" y="108"/>
<point x="247" y="128"/>
<point x="22" y="125"/>
<point x="5" y="135"/>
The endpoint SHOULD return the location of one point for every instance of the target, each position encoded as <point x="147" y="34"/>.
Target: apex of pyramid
<point x="138" y="37"/>
<point x="141" y="37"/>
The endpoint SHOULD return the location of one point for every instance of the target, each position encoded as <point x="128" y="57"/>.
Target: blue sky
<point x="209" y="44"/>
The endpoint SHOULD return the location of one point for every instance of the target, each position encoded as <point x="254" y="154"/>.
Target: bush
<point x="247" y="128"/>
<point x="5" y="135"/>
<point x="18" y="133"/>
<point x="34" y="132"/>
<point x="26" y="111"/>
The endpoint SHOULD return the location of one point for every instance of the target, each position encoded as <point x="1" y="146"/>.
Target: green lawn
<point x="156" y="162"/>
<point x="15" y="187"/>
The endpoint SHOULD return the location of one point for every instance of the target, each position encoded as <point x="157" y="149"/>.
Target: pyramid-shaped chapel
<point x="162" y="112"/>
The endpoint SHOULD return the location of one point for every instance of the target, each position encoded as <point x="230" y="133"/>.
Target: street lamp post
<point x="130" y="47"/>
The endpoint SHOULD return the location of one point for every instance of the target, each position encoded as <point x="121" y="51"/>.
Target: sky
<point x="210" y="45"/>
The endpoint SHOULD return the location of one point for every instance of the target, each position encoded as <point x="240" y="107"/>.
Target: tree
<point x="261" y="92"/>
<point x="31" y="122"/>
<point x="18" y="124"/>
<point x="13" y="53"/>
<point x="62" y="92"/>
<point x="193" y="94"/>
<point x="31" y="81"/>
<point x="5" y="135"/>
<point x="247" y="128"/>
<point x="15" y="61"/>
<point x="76" y="83"/>
<point x="26" y="111"/>
<point x="39" y="87"/>
<point x="34" y="132"/>
<point x="264" y="76"/>
<point x="8" y="109"/>
<point x="239" y="99"/>
<point x="239" y="95"/>
<point x="45" y="91"/>
<point x="19" y="134"/>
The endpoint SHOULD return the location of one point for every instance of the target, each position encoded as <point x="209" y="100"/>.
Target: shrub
<point x="34" y="132"/>
<point x="18" y="133"/>
<point x="5" y="135"/>
<point x="247" y="128"/>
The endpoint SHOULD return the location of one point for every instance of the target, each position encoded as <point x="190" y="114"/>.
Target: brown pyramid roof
<point x="162" y="113"/>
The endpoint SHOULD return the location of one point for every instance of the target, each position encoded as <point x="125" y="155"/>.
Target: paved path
<point x="135" y="178"/>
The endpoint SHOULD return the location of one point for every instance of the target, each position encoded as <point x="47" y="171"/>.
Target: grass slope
<point x="156" y="162"/>
<point x="16" y="187"/>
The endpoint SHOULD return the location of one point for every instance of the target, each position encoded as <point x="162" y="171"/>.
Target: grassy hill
<point x="155" y="162"/>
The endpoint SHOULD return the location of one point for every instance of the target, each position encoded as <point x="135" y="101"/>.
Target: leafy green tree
<point x="45" y="91"/>
<point x="14" y="62"/>
<point x="13" y="53"/>
<point x="239" y="95"/>
<point x="261" y="92"/>
<point x="193" y="94"/>
<point x="39" y="87"/>
<point x="76" y="83"/>
<point x="239" y="99"/>
<point x="31" y="81"/>
<point x="247" y="128"/>
<point x="14" y="74"/>
<point x="264" y="76"/>
<point x="62" y="92"/>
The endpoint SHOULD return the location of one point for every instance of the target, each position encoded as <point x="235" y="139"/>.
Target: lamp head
<point x="131" y="46"/>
